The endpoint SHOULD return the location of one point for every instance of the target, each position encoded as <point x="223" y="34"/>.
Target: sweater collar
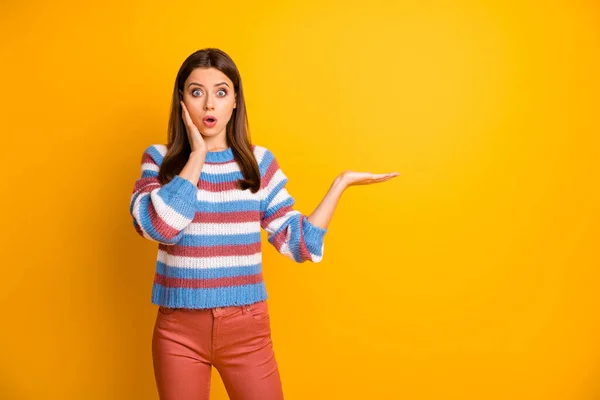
<point x="219" y="156"/>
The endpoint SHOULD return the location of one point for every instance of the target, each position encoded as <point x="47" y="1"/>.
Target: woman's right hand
<point x="197" y="143"/>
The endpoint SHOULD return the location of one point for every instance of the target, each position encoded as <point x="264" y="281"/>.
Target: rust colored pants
<point x="236" y="340"/>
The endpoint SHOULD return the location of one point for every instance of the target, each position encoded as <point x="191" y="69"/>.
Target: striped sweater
<point x="208" y="235"/>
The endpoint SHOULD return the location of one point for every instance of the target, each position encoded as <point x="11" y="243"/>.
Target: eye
<point x="224" y="91"/>
<point x="194" y="91"/>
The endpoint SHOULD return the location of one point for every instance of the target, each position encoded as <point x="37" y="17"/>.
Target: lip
<point x="205" y="119"/>
<point x="207" y="123"/>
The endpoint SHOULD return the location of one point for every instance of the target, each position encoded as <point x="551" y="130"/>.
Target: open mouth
<point x="209" y="121"/>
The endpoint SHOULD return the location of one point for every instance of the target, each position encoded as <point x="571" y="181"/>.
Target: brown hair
<point x="237" y="130"/>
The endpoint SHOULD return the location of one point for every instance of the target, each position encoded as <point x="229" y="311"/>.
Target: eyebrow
<point x="199" y="84"/>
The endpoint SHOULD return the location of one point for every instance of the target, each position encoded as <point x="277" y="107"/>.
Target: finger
<point x="186" y="116"/>
<point x="184" y="109"/>
<point x="378" y="176"/>
<point x="382" y="175"/>
<point x="386" y="178"/>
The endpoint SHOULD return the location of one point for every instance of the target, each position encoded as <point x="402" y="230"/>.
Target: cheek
<point x="229" y="108"/>
<point x="193" y="106"/>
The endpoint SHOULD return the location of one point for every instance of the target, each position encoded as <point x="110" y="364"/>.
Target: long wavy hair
<point x="237" y="130"/>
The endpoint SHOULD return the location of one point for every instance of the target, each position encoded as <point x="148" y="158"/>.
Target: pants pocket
<point x="165" y="310"/>
<point x="259" y="311"/>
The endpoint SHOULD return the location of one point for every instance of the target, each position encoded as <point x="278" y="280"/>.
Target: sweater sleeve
<point x="289" y="231"/>
<point x="161" y="212"/>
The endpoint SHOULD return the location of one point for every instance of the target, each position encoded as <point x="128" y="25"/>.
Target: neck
<point x="217" y="142"/>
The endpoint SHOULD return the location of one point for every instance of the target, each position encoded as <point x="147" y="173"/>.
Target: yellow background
<point x="472" y="275"/>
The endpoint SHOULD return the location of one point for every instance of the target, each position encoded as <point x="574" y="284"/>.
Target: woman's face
<point x="209" y="92"/>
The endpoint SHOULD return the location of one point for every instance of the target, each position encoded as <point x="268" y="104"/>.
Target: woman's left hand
<point x="352" y="178"/>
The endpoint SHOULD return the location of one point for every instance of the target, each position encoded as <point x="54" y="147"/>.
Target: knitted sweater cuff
<point x="182" y="191"/>
<point x="313" y="233"/>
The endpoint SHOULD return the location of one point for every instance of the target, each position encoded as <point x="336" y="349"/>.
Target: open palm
<point x="352" y="178"/>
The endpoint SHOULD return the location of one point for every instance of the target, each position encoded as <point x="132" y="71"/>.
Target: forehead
<point x="208" y="77"/>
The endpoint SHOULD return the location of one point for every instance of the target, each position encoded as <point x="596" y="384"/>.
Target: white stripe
<point x="285" y="248"/>
<point x="136" y="210"/>
<point x="209" y="262"/>
<point x="316" y="258"/>
<point x="136" y="214"/>
<point x="275" y="224"/>
<point x="168" y="214"/>
<point x="235" y="228"/>
<point x="218" y="169"/>
<point x="259" y="153"/>
<point x="225" y="195"/>
<point x="276" y="179"/>
<point x="162" y="149"/>
<point x="149" y="167"/>
<point x="279" y="198"/>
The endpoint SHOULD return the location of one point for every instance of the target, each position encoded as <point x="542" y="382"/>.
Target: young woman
<point x="203" y="197"/>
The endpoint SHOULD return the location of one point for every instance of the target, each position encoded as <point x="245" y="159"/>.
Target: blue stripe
<point x="228" y="206"/>
<point x="292" y="224"/>
<point x="266" y="162"/>
<point x="133" y="198"/>
<point x="208" y="298"/>
<point x="147" y="223"/>
<point x="155" y="154"/>
<point x="206" y="273"/>
<point x="180" y="195"/>
<point x="313" y="238"/>
<point x="287" y="202"/>
<point x="265" y="203"/>
<point x="315" y="245"/>
<point x="219" y="240"/>
<point x="221" y="178"/>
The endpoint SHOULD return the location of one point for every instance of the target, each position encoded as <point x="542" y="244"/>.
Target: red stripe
<point x="147" y="158"/>
<point x="137" y="228"/>
<point x="217" y="186"/>
<point x="226" y="217"/>
<point x="213" y="251"/>
<point x="281" y="236"/>
<point x="304" y="252"/>
<point x="146" y="184"/>
<point x="264" y="222"/>
<point x="171" y="282"/>
<point x="164" y="229"/>
<point x="273" y="167"/>
<point x="219" y="162"/>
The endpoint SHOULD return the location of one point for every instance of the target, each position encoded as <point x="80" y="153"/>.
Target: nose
<point x="208" y="105"/>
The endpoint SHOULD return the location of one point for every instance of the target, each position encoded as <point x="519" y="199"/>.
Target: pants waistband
<point x="216" y="311"/>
